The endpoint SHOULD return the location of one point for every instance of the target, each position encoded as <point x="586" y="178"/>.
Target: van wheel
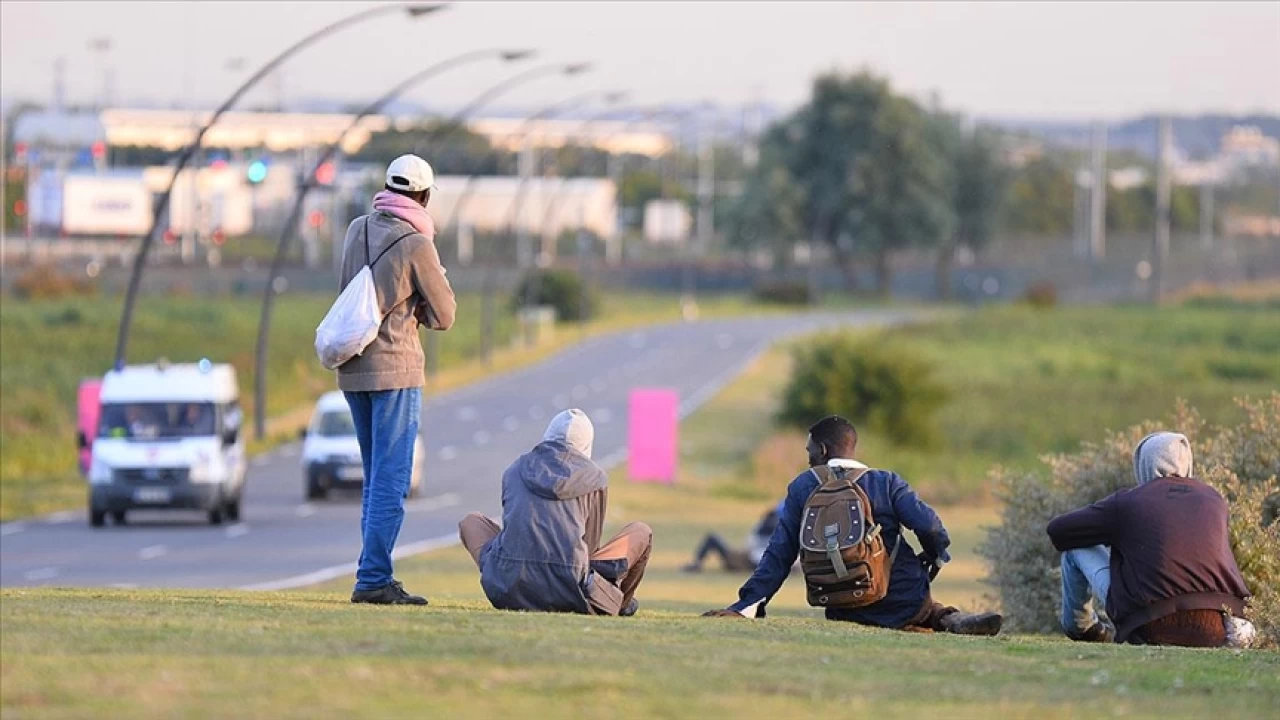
<point x="233" y="509"/>
<point x="97" y="518"/>
<point x="215" y="516"/>
<point x="315" y="491"/>
<point x="118" y="517"/>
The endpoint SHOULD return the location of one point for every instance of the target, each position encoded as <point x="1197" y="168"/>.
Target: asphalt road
<point x="470" y="434"/>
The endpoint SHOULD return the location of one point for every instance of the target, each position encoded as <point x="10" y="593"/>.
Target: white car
<point x="331" y="453"/>
<point x="168" y="437"/>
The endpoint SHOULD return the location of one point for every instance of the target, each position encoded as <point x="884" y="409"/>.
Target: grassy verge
<point x="49" y="346"/>
<point x="76" y="653"/>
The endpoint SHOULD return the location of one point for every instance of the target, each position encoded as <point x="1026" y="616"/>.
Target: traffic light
<point x="326" y="173"/>
<point x="219" y="237"/>
<point x="315" y="219"/>
<point x="170" y="237"/>
<point x="257" y="172"/>
<point x="98" y="150"/>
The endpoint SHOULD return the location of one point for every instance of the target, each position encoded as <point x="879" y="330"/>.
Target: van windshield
<point x="150" y="421"/>
<point x="337" y="423"/>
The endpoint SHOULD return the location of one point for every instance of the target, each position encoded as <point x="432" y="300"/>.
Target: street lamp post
<point x="140" y="259"/>
<point x="309" y="181"/>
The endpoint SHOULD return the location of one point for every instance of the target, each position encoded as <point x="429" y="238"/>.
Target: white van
<point x="331" y="452"/>
<point x="168" y="437"/>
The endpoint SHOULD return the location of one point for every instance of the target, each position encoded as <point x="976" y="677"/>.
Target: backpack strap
<point x="393" y="244"/>
<point x="370" y="263"/>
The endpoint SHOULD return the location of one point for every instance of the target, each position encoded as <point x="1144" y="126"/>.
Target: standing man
<point x="383" y="385"/>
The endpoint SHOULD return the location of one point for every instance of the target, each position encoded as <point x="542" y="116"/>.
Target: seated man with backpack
<point x="845" y="522"/>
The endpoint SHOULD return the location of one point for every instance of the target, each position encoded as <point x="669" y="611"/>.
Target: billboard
<point x="105" y="205"/>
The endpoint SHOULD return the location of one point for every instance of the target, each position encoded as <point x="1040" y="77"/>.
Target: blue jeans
<point x="386" y="427"/>
<point x="1086" y="576"/>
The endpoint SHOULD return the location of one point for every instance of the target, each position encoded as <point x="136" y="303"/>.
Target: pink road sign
<point x="87" y="411"/>
<point x="653" y="416"/>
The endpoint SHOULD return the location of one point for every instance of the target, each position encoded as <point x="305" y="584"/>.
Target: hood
<point x="1162" y="454"/>
<point x="572" y="428"/>
<point x="119" y="453"/>
<point x="555" y="471"/>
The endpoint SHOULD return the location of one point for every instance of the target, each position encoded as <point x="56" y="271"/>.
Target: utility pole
<point x="1160" y="252"/>
<point x="1098" y="197"/>
<point x="1206" y="215"/>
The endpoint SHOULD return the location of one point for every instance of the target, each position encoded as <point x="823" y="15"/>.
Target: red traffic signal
<point x="315" y="219"/>
<point x="170" y="237"/>
<point x="219" y="237"/>
<point x="20" y="207"/>
<point x="326" y="173"/>
<point x="99" y="150"/>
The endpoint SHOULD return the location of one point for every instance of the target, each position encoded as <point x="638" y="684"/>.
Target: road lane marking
<point x="466" y="413"/>
<point x="62" y="516"/>
<point x="601" y="416"/>
<point x="511" y="424"/>
<point x="151" y="552"/>
<point x="48" y="573"/>
<point x="304" y="510"/>
<point x="11" y="528"/>
<point x="433" y="503"/>
<point x="448" y="453"/>
<point x="482" y="437"/>
<point x="237" y="530"/>
<point x="349" y="568"/>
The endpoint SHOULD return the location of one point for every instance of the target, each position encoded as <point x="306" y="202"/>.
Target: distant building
<point x="1244" y="146"/>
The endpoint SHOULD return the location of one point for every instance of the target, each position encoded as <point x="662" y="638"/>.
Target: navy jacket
<point x="895" y="506"/>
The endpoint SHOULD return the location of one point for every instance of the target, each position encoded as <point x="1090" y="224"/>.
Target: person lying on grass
<point x="845" y="523"/>
<point x="1158" y="555"/>
<point x="546" y="555"/>
<point x="734" y="559"/>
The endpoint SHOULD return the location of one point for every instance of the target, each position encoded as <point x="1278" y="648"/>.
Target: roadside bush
<point x="873" y="381"/>
<point x="560" y="289"/>
<point x="46" y="282"/>
<point x="783" y="292"/>
<point x="1042" y="294"/>
<point x="1242" y="462"/>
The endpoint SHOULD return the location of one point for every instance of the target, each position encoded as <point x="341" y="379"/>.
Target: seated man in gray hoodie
<point x="1158" y="555"/>
<point x="546" y="556"/>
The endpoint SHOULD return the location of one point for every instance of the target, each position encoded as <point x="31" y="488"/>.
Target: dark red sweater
<point x="1170" y="550"/>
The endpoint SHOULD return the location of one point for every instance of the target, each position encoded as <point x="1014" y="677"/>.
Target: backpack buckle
<point x="831" y="533"/>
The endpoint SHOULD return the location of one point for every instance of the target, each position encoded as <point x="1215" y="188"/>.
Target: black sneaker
<point x="392" y="593"/>
<point x="631" y="608"/>
<point x="1099" y="632"/>
<point x="988" y="623"/>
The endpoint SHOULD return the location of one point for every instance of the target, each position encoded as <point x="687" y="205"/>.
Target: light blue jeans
<point x="386" y="427"/>
<point x="1086" y="579"/>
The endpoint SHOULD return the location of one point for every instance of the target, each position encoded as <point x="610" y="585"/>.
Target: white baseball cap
<point x="410" y="173"/>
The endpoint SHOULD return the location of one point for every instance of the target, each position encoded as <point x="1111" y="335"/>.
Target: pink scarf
<point x="407" y="210"/>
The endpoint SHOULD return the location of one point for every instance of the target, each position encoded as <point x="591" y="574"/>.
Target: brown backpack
<point x="842" y="552"/>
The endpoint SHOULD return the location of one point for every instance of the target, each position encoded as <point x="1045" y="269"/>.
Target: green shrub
<point x="1242" y="462"/>
<point x="560" y="289"/>
<point x="783" y="292"/>
<point x="874" y="381"/>
<point x="46" y="282"/>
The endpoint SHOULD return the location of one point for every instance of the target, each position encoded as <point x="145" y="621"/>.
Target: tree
<point x="452" y="149"/>
<point x="978" y="190"/>
<point x="1042" y="197"/>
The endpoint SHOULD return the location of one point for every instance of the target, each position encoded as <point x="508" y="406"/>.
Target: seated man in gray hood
<point x="547" y="556"/>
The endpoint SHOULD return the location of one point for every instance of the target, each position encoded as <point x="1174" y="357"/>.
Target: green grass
<point x="1027" y="382"/>
<point x="311" y="654"/>
<point x="49" y="346"/>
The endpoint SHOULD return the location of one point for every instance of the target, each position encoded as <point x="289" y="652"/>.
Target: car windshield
<point x="150" y="421"/>
<point x="336" y="423"/>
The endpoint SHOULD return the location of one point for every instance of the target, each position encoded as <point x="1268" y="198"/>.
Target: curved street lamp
<point x="309" y="182"/>
<point x="140" y="260"/>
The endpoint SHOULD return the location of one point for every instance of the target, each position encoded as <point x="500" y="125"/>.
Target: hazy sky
<point x="1025" y="59"/>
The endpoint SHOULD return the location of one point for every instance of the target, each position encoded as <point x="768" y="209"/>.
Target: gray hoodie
<point x="553" y="506"/>
<point x="1162" y="454"/>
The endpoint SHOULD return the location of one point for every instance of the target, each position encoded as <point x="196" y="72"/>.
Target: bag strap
<point x="369" y="263"/>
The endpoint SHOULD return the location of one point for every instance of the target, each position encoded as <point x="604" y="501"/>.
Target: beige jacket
<point x="412" y="290"/>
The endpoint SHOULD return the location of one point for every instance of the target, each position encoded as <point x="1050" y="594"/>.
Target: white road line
<point x="304" y="510"/>
<point x="482" y="437"/>
<point x="535" y="412"/>
<point x="599" y="385"/>
<point x="151" y="552"/>
<point x="448" y="453"/>
<point x="48" y="573"/>
<point x="601" y="416"/>
<point x="337" y="571"/>
<point x="580" y="392"/>
<point x="11" y="528"/>
<point x="62" y="516"/>
<point x="511" y="424"/>
<point x="433" y="503"/>
<point x="466" y="413"/>
<point x="237" y="530"/>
